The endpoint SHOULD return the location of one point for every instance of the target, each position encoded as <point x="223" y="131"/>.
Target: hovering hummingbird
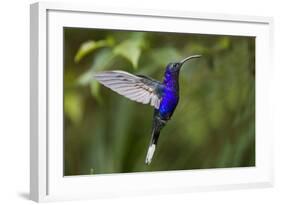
<point x="164" y="97"/>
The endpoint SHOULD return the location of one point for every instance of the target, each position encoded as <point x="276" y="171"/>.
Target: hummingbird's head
<point x="175" y="67"/>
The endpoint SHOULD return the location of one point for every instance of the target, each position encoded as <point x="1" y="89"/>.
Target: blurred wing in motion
<point x="135" y="87"/>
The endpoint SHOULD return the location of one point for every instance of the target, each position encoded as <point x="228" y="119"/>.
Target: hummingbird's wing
<point x="137" y="88"/>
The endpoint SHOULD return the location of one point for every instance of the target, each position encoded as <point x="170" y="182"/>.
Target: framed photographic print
<point x="127" y="102"/>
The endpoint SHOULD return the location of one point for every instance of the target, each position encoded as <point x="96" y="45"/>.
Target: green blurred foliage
<point x="212" y="127"/>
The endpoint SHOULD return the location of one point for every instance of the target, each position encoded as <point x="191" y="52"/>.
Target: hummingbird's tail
<point x="157" y="126"/>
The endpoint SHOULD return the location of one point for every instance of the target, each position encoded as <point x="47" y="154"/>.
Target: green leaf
<point x="169" y="54"/>
<point x="222" y="44"/>
<point x="73" y="106"/>
<point x="101" y="61"/>
<point x="85" y="78"/>
<point x="130" y="49"/>
<point x="95" y="87"/>
<point x="90" y="46"/>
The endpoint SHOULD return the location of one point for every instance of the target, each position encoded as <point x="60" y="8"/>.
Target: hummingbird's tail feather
<point x="150" y="153"/>
<point x="157" y="126"/>
<point x="152" y="144"/>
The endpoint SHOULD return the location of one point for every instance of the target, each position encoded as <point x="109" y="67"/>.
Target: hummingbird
<point x="163" y="96"/>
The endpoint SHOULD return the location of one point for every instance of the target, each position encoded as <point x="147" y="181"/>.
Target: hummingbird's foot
<point x="150" y="153"/>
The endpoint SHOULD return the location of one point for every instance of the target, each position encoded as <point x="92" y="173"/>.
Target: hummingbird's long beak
<point x="188" y="58"/>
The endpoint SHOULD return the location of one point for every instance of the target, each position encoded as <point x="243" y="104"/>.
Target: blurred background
<point x="212" y="127"/>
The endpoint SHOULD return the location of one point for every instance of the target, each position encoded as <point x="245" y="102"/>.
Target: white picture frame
<point x="47" y="182"/>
